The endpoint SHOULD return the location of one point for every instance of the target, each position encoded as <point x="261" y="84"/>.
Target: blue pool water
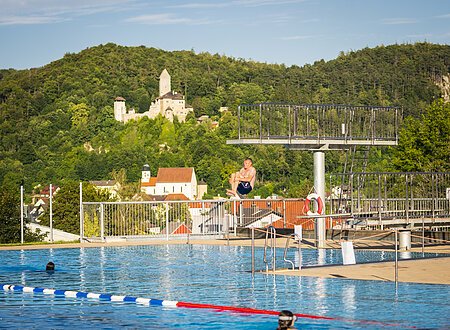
<point x="210" y="275"/>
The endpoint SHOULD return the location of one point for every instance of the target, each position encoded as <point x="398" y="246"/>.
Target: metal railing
<point x="296" y="238"/>
<point x="155" y="219"/>
<point x="375" y="200"/>
<point x="392" y="198"/>
<point x="337" y="124"/>
<point x="270" y="243"/>
<point x="107" y="220"/>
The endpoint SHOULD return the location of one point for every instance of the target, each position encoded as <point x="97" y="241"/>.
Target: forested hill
<point x="402" y="75"/>
<point x="57" y="121"/>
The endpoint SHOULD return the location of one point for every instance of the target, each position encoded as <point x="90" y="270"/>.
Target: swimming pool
<point x="203" y="274"/>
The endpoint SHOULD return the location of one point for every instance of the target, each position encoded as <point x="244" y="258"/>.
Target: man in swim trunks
<point x="242" y="182"/>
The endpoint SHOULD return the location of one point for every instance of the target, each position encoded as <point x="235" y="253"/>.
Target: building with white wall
<point x="169" y="104"/>
<point x="172" y="180"/>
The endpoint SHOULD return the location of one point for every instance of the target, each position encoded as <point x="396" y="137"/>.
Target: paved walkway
<point x="433" y="271"/>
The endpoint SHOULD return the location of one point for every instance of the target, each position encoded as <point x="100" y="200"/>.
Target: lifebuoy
<point x="319" y="202"/>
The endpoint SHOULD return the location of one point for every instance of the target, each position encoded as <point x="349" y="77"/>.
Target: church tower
<point x="164" y="83"/>
<point x="145" y="173"/>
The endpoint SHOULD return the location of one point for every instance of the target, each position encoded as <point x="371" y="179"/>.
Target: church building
<point x="172" y="180"/>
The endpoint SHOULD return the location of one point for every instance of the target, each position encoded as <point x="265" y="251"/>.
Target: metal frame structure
<point x="385" y="199"/>
<point x="317" y="127"/>
<point x="104" y="221"/>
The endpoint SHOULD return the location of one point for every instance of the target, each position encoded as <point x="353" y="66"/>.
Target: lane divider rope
<point x="171" y="303"/>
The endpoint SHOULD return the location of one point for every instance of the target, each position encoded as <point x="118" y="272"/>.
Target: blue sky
<point x="36" y="32"/>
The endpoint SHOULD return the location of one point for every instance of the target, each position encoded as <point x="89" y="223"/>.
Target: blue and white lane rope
<point x="170" y="303"/>
<point x="90" y="295"/>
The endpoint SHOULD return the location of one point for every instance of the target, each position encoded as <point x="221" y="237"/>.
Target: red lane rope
<point x="246" y="310"/>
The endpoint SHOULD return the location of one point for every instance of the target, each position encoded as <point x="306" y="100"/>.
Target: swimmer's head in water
<point x="286" y="319"/>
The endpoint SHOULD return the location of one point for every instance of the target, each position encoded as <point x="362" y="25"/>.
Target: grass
<point x="39" y="243"/>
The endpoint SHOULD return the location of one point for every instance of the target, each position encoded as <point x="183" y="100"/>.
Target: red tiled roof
<point x="119" y="98"/>
<point x="176" y="197"/>
<point x="177" y="228"/>
<point x="175" y="174"/>
<point x="151" y="183"/>
<point x="46" y="190"/>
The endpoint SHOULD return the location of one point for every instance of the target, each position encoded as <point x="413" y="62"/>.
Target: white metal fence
<point x="388" y="197"/>
<point x="171" y="219"/>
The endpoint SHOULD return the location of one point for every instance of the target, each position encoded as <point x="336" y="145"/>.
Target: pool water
<point x="209" y="275"/>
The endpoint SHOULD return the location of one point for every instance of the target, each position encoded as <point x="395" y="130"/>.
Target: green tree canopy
<point x="425" y="142"/>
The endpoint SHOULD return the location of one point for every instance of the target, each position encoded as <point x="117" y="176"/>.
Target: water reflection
<point x="103" y="263"/>
<point x="321" y="257"/>
<point x="349" y="298"/>
<point x="83" y="262"/>
<point x="22" y="263"/>
<point x="405" y="255"/>
<point x="298" y="258"/>
<point x="321" y="295"/>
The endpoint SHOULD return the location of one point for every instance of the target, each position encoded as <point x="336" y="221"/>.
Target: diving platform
<point x="313" y="144"/>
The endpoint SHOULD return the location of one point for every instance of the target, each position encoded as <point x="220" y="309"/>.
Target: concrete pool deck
<point x="426" y="271"/>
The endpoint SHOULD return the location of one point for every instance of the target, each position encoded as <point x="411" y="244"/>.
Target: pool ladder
<point x="296" y="237"/>
<point x="271" y="235"/>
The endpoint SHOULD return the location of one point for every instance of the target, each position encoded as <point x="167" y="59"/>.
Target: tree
<point x="126" y="189"/>
<point x="9" y="216"/>
<point x="80" y="115"/>
<point x="57" y="121"/>
<point x="424" y="143"/>
<point x="10" y="226"/>
<point x="66" y="205"/>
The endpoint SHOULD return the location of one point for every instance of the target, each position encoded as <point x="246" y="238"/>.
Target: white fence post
<point x="51" y="213"/>
<point x="167" y="220"/>
<point x="102" y="222"/>
<point x="81" y="213"/>
<point x="21" y="215"/>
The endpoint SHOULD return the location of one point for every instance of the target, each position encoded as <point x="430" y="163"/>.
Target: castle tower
<point x="164" y="83"/>
<point x="119" y="108"/>
<point x="145" y="173"/>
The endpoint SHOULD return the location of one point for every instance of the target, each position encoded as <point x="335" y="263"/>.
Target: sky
<point x="34" y="33"/>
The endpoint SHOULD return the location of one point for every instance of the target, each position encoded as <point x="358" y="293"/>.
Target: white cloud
<point x="167" y="19"/>
<point x="52" y="11"/>
<point x="398" y="21"/>
<point x="296" y="38"/>
<point x="199" y="5"/>
<point x="245" y="3"/>
<point x="443" y="16"/>
<point x="158" y="19"/>
<point x="257" y="3"/>
<point x="29" y="20"/>
<point x="420" y="36"/>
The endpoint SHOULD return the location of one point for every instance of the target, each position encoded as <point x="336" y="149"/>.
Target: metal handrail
<point x="369" y="125"/>
<point x="294" y="235"/>
<point x="273" y="237"/>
